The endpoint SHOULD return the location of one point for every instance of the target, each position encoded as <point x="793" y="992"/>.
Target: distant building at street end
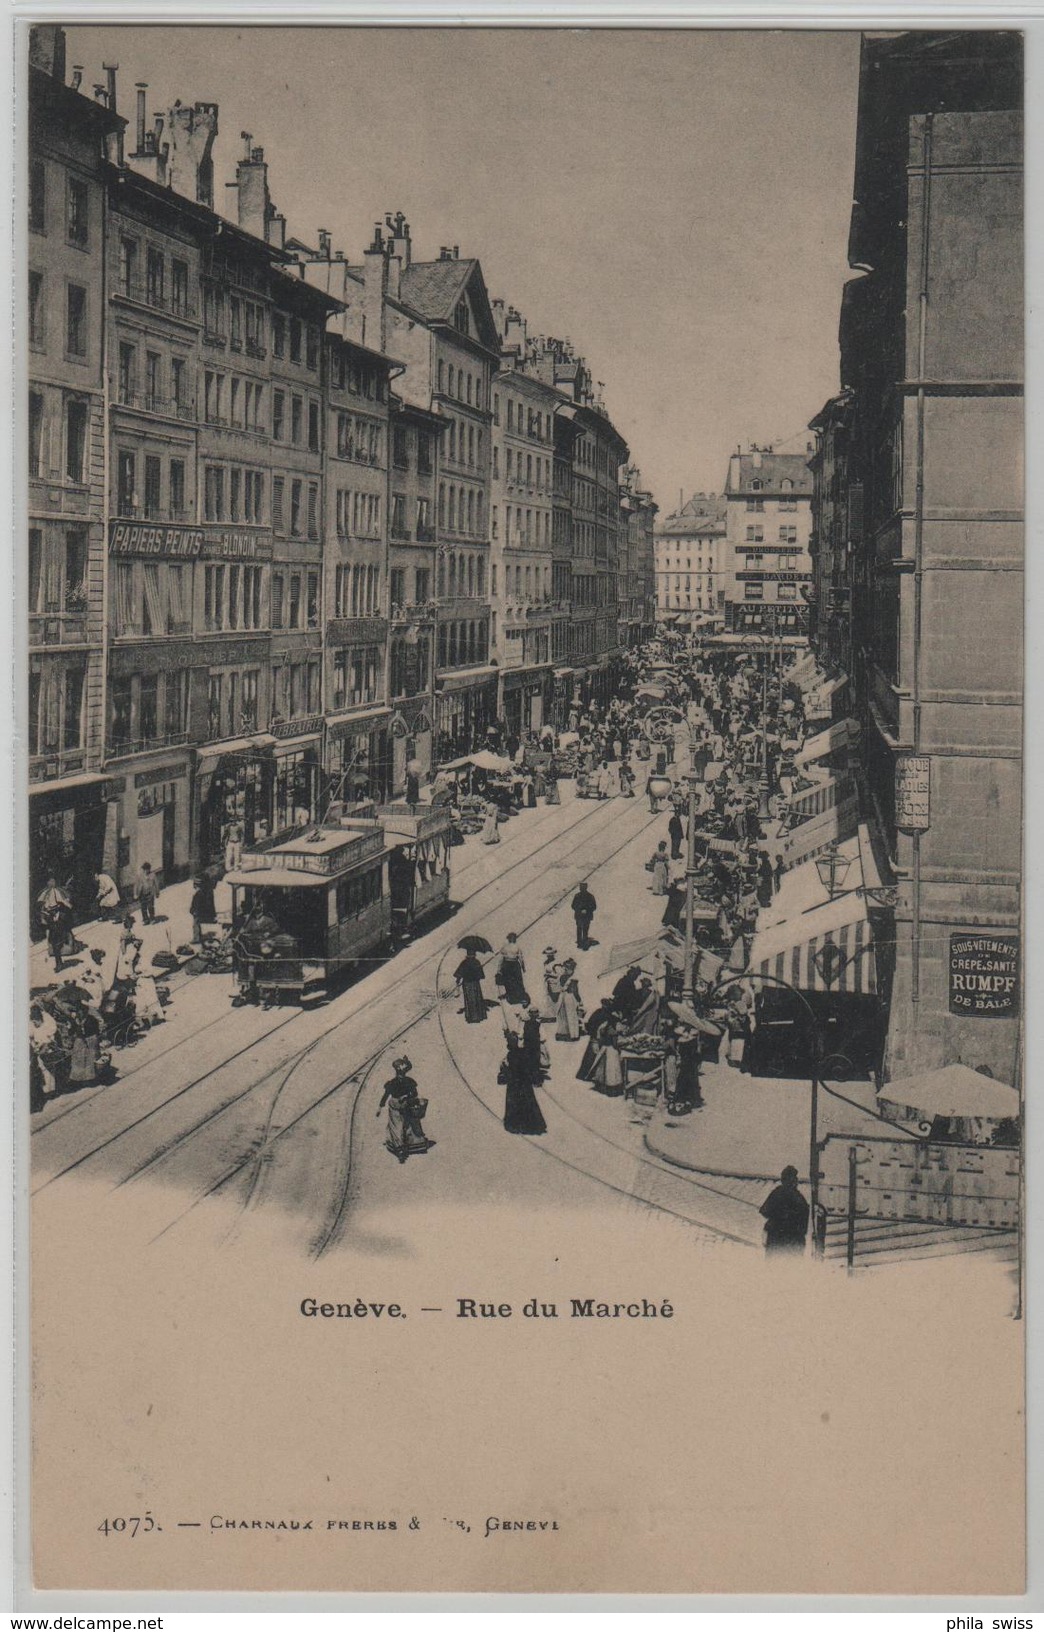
<point x="689" y="553"/>
<point x="767" y="574"/>
<point x="918" y="531"/>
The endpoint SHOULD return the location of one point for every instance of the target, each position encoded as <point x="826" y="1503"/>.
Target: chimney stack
<point x="141" y="87"/>
<point x="375" y="292"/>
<point x="47" y="50"/>
<point x="77" y="76"/>
<point x="324" y="244"/>
<point x="110" y="77"/>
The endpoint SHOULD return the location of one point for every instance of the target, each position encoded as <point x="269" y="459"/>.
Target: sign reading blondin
<point x="190" y="543"/>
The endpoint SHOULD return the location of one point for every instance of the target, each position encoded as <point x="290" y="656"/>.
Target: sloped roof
<point x="703" y="514"/>
<point x="433" y="290"/>
<point x="771" y="471"/>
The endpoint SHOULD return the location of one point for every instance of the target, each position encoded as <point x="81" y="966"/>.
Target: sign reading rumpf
<point x="984" y="974"/>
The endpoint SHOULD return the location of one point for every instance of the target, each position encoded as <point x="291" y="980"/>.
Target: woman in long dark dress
<point x="687" y="1096"/>
<point x="468" y="975"/>
<point x="522" y="1113"/>
<point x="511" y="973"/>
<point x="604" y="1011"/>
<point x="406" y="1136"/>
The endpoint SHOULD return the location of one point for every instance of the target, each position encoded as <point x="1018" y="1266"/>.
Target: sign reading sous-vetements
<point x="984" y="974"/>
<point x="174" y="541"/>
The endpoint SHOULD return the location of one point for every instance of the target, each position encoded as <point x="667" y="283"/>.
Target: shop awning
<point x="827" y="742"/>
<point x="465" y="679"/>
<point x="832" y="826"/>
<point x="829" y="688"/>
<point x="68" y="784"/>
<point x="233" y="748"/>
<point x="796" y="951"/>
<point x="363" y="721"/>
<point x="805" y="672"/>
<point x="823" y="795"/>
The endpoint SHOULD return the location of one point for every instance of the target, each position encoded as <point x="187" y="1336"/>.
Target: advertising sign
<point x="984" y="974"/>
<point x="176" y="542"/>
<point x="913" y="793"/>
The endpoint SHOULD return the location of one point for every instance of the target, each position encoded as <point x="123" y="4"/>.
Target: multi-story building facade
<point x="689" y="558"/>
<point x="637" y="576"/>
<point x="836" y="534"/>
<point x="767" y="566"/>
<point x="72" y="816"/>
<point x="416" y="432"/>
<point x="522" y="589"/>
<point x="931" y="364"/>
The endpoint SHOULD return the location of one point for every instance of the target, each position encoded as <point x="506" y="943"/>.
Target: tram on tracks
<point x="309" y="909"/>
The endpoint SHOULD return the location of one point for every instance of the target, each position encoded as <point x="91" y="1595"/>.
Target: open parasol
<point x="474" y="943"/>
<point x="688" y="1016"/>
<point x="953" y="1090"/>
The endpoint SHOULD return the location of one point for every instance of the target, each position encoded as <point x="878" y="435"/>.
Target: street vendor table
<point x="643" y="1077"/>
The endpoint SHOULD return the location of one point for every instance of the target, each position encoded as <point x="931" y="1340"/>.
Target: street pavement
<point x="226" y="1119"/>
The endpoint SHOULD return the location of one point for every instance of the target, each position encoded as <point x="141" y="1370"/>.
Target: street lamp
<point x="833" y="869"/>
<point x="733" y="979"/>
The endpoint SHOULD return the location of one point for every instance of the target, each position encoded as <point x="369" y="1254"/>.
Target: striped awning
<point x="828" y="949"/>
<point x="822" y="796"/>
<point x="831" y="826"/>
<point x="827" y="742"/>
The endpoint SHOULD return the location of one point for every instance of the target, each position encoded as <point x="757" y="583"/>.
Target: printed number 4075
<point x="131" y="1527"/>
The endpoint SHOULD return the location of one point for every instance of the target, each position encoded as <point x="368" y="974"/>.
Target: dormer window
<point x="756" y="484"/>
<point x="462" y="318"/>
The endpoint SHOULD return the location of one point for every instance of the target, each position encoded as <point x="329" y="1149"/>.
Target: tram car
<point x="305" y="911"/>
<point x="418" y="839"/>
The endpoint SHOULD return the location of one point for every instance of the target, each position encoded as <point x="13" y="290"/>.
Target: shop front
<point x="297" y="797"/>
<point x="72" y="836"/>
<point x="465" y="708"/>
<point x="411" y="735"/>
<point x="563" y="683"/>
<point x="155" y="821"/>
<point x="235" y="784"/>
<point x="358" y="757"/>
<point x="527" y="699"/>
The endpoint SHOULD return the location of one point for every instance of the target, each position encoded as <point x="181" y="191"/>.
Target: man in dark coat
<point x="584" y="907"/>
<point x="531" y="1047"/>
<point x="676" y="833"/>
<point x="785" y="1212"/>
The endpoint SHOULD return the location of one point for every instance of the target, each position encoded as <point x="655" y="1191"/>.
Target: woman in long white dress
<point x="569" y="1014"/>
<point x="490" y="834"/>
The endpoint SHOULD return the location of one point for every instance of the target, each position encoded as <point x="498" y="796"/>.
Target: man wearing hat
<point x="584" y="906"/>
<point x="785" y="1212"/>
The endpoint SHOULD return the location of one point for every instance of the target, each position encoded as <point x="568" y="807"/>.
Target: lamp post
<point x="833" y="869"/>
<point x="734" y="979"/>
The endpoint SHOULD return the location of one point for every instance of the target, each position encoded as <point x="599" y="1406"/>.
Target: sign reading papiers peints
<point x="188" y="543"/>
<point x="913" y="793"/>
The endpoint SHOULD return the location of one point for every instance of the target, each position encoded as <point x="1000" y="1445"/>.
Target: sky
<point x="674" y="202"/>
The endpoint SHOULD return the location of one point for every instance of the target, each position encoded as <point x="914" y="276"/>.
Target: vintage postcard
<point x="519" y="576"/>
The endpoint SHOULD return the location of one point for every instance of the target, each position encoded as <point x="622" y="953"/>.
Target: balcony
<point x="55" y="763"/>
<point x="425" y="533"/>
<point x="400" y="532"/>
<point x="124" y="749"/>
<point x="57" y="628"/>
<point x="413" y="612"/>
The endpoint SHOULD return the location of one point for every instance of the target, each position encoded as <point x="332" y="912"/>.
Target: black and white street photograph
<point x="523" y="707"/>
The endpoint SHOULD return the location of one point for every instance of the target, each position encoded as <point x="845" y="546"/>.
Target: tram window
<point x="354" y="895"/>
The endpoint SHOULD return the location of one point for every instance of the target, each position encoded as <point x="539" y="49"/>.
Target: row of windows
<point x="360" y="439"/>
<point x="758" y="505"/>
<point x="243" y="325"/>
<point x="357" y="591"/>
<point x="522" y="419"/>
<point x="77" y="205"/>
<point x="461" y="510"/>
<point x="295" y="690"/>
<point x="535" y="475"/>
<point x="235" y="493"/>
<point x="756" y="592"/>
<point x="140" y="491"/>
<point x="75" y="317"/>
<point x="399" y="586"/>
<point x="361" y="379"/>
<point x="410" y="666"/>
<point x="524" y="528"/>
<point x="357" y="515"/>
<point x="463" y="642"/>
<point x="57" y="570"/>
<point x="68" y="428"/>
<point x="295" y="600"/>
<point x="357" y="677"/>
<point x="303" y="518"/>
<point x="756" y="533"/>
<point x="461" y="575"/>
<point x="155" y="288"/>
<point x="56" y="707"/>
<point x="524" y="583"/>
<point x="147" y="708"/>
<point x="400" y="519"/>
<point x="150" y="380"/>
<point x="463" y="443"/>
<point x="401" y="440"/>
<point x="459" y="383"/>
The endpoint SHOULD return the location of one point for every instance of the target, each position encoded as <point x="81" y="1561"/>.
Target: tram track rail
<point x="360" y="1073"/>
<point x="296" y="1018"/>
